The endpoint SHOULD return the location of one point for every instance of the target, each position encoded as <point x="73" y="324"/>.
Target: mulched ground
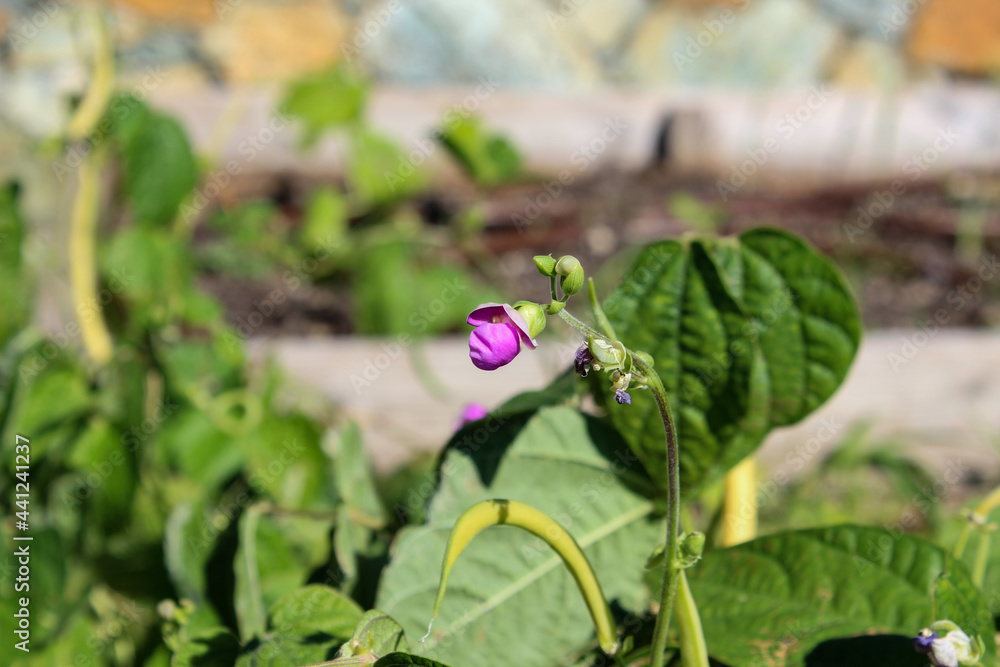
<point x="906" y="265"/>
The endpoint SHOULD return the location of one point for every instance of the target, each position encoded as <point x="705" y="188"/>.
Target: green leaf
<point x="361" y="509"/>
<point x="151" y="267"/>
<point x="564" y="463"/>
<point x="402" y="659"/>
<point x="275" y="556"/>
<point x="801" y="312"/>
<point x="107" y="474"/>
<point x="324" y="224"/>
<point x="15" y="298"/>
<point x="315" y="609"/>
<point x="488" y="158"/>
<point x="673" y="305"/>
<point x="748" y="334"/>
<point x="160" y="169"/>
<point x="775" y="599"/>
<point x="324" y="100"/>
<point x="376" y="634"/>
<point x="379" y="172"/>
<point x="188" y="541"/>
<point x="215" y="647"/>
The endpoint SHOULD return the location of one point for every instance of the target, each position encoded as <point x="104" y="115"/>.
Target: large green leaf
<point x="673" y="305"/>
<point x="488" y="158"/>
<point x="800" y="311"/>
<point x="275" y="556"/>
<point x="748" y="334"/>
<point x="15" y="298"/>
<point x="774" y="600"/>
<point x="160" y="169"/>
<point x="307" y="626"/>
<point x="510" y="598"/>
<point x="325" y="100"/>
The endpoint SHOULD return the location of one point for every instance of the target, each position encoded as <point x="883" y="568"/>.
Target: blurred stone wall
<point x="556" y="44"/>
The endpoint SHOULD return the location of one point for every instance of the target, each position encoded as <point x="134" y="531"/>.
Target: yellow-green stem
<point x="102" y="81"/>
<point x="694" y="652"/>
<point x="980" y="514"/>
<point x="982" y="557"/>
<point x="83" y="261"/>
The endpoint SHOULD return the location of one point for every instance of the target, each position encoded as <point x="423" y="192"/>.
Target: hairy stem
<point x="670" y="565"/>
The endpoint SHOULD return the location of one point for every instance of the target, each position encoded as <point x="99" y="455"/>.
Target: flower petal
<point x="484" y="313"/>
<point x="494" y="345"/>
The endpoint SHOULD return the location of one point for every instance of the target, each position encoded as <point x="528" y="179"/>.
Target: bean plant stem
<point x="670" y="564"/>
<point x="982" y="511"/>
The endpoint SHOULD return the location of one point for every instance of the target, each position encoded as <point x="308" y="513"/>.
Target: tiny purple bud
<point x="924" y="643"/>
<point x="470" y="413"/>
<point x="622" y="397"/>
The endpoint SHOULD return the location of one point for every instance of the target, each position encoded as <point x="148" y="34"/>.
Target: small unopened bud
<point x="693" y="545"/>
<point x="546" y="264"/>
<point x="566" y="265"/>
<point x="533" y="315"/>
<point x="572" y="283"/>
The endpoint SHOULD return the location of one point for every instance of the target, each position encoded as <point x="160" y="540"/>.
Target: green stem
<point x="670" y="565"/>
<point x="982" y="557"/>
<point x="602" y="321"/>
<point x="694" y="652"/>
<point x="584" y="330"/>
<point x="979" y="516"/>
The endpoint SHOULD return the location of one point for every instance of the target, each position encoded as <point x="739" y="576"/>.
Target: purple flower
<point x="583" y="360"/>
<point x="924" y="643"/>
<point x="622" y="397"/>
<point x="498" y="335"/>
<point x="470" y="413"/>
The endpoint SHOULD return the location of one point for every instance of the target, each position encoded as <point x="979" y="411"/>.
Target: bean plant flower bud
<point x="620" y="382"/>
<point x="947" y="645"/>
<point x="566" y="265"/>
<point x="498" y="335"/>
<point x="533" y="315"/>
<point x="546" y="264"/>
<point x="470" y="413"/>
<point x="583" y="360"/>
<point x="572" y="283"/>
<point x="691" y="547"/>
